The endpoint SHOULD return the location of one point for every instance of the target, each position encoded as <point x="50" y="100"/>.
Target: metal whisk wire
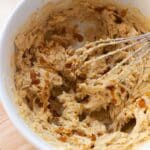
<point x="142" y="40"/>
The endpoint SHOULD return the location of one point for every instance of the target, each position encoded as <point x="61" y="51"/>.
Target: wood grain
<point x="10" y="138"/>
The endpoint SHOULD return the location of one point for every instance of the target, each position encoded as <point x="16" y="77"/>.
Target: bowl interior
<point x="24" y="9"/>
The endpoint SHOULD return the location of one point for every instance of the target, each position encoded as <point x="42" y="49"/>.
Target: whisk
<point x="137" y="51"/>
<point x="140" y="44"/>
<point x="128" y="72"/>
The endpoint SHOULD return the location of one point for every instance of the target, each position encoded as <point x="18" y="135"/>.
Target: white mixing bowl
<point x="18" y="17"/>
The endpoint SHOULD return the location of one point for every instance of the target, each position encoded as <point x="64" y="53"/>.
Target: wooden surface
<point x="10" y="138"/>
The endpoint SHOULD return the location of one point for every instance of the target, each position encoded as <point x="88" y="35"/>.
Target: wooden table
<point x="10" y="138"/>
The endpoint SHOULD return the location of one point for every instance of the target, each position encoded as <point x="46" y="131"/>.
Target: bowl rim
<point x="6" y="101"/>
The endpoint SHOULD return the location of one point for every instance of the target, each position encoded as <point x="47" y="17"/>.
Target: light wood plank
<point x="10" y="138"/>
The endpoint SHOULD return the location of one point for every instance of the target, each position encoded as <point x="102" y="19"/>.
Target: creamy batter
<point x="67" y="100"/>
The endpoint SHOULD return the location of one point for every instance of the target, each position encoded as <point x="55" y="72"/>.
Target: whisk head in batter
<point x="121" y="71"/>
<point x="136" y="48"/>
<point x="116" y="59"/>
